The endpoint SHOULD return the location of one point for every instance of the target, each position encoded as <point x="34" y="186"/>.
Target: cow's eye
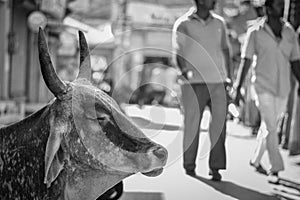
<point x="103" y="120"/>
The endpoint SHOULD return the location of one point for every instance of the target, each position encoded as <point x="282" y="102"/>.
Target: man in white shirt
<point x="276" y="46"/>
<point x="202" y="53"/>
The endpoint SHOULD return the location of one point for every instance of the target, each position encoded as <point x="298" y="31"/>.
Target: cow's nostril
<point x="160" y="153"/>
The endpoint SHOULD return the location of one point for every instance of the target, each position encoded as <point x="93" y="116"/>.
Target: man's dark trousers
<point x="195" y="98"/>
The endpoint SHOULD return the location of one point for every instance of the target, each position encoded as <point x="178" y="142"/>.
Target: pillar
<point x="4" y="66"/>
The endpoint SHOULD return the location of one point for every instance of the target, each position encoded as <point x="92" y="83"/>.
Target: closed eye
<point x="102" y="118"/>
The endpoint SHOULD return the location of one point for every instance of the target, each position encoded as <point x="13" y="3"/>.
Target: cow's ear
<point x="54" y="155"/>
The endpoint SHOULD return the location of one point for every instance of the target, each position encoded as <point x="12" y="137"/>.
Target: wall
<point x="147" y="43"/>
<point x="19" y="60"/>
<point x="4" y="22"/>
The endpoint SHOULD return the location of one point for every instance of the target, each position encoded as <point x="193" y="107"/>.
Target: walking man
<point x="275" y="44"/>
<point x="202" y="54"/>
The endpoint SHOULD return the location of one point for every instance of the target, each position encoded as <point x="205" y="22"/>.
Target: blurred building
<point x="145" y="40"/>
<point x="20" y="78"/>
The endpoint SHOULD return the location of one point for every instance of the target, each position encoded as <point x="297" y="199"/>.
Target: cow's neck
<point x="22" y="150"/>
<point x="27" y="129"/>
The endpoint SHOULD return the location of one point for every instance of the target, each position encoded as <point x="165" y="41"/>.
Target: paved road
<point x="239" y="180"/>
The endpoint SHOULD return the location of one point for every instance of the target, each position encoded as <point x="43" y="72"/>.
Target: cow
<point x="77" y="146"/>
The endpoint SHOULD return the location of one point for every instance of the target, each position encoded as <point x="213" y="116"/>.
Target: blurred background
<point x="130" y="42"/>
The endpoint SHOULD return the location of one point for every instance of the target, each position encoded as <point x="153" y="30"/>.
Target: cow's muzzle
<point x="160" y="155"/>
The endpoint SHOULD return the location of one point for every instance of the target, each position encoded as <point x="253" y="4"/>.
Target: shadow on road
<point x="287" y="189"/>
<point x="147" y="124"/>
<point x="236" y="191"/>
<point x="289" y="184"/>
<point x="142" y="196"/>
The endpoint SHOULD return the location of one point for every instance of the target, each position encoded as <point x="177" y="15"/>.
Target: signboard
<point x="95" y="36"/>
<point x="149" y="13"/>
<point x="99" y="9"/>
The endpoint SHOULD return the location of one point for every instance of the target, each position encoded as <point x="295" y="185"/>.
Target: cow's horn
<point x="85" y="70"/>
<point x="53" y="82"/>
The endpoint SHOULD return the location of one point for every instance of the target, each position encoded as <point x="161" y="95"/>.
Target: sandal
<point x="259" y="168"/>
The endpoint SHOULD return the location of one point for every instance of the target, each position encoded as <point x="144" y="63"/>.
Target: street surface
<point x="240" y="181"/>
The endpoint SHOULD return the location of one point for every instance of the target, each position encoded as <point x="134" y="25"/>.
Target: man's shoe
<point x="273" y="178"/>
<point x="259" y="168"/>
<point x="190" y="172"/>
<point x="216" y="176"/>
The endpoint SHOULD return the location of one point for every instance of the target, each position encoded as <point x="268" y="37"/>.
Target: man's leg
<point x="217" y="132"/>
<point x="270" y="115"/>
<point x="273" y="143"/>
<point x="261" y="146"/>
<point x="192" y="119"/>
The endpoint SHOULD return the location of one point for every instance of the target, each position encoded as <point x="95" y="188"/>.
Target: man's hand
<point x="228" y="83"/>
<point x="229" y="90"/>
<point x="238" y="97"/>
<point x="187" y="74"/>
<point x="184" y="76"/>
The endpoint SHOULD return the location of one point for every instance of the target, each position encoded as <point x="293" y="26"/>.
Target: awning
<point x="95" y="36"/>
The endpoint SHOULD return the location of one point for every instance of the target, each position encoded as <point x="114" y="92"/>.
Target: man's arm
<point x="178" y="43"/>
<point x="296" y="69"/>
<point x="228" y="63"/>
<point x="243" y="70"/>
<point x="226" y="49"/>
<point x="295" y="58"/>
<point x="247" y="53"/>
<point x="181" y="63"/>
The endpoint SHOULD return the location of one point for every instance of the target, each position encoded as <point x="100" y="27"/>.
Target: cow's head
<point x="92" y="145"/>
